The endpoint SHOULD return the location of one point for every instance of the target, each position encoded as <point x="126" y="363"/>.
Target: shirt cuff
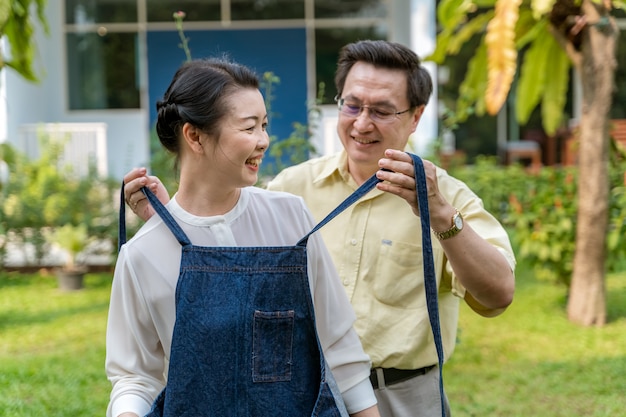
<point x="359" y="397"/>
<point x="130" y="403"/>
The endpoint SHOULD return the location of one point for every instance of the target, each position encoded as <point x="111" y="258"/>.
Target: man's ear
<point x="417" y="115"/>
<point x="191" y="134"/>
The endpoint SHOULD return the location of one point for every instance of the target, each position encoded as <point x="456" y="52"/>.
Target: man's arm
<point x="480" y="267"/>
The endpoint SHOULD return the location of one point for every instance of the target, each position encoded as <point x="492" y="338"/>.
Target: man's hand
<point x="401" y="182"/>
<point x="136" y="200"/>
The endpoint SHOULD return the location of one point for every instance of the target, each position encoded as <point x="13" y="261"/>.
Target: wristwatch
<point x="457" y="226"/>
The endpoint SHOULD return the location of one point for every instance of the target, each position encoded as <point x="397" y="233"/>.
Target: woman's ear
<point x="192" y="134"/>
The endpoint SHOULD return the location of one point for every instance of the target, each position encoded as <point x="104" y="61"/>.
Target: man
<point x="376" y="244"/>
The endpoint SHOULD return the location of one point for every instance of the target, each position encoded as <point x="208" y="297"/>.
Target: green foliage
<point x="16" y="24"/>
<point x="544" y="220"/>
<point x="541" y="211"/>
<point x="42" y="195"/>
<point x="532" y="78"/>
<point x="555" y="87"/>
<point x="297" y="147"/>
<point x="471" y="91"/>
<point x="543" y="64"/>
<point x="73" y="239"/>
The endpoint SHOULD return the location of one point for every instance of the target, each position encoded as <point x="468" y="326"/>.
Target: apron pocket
<point x="272" y="346"/>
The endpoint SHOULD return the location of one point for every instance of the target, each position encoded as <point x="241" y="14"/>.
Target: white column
<point x="3" y="95"/>
<point x="423" y="32"/>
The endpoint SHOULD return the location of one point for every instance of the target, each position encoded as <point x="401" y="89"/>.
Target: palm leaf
<point x="471" y="91"/>
<point x="556" y="86"/>
<point x="463" y="35"/>
<point x="532" y="78"/>
<point x="451" y="13"/>
<point x="528" y="28"/>
<point x="441" y="48"/>
<point x="501" y="53"/>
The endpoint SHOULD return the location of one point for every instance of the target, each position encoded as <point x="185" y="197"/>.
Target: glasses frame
<point x="341" y="101"/>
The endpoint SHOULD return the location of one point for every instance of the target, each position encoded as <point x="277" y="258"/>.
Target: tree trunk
<point x="587" y="298"/>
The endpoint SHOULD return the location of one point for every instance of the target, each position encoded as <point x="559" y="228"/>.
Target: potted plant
<point x="73" y="239"/>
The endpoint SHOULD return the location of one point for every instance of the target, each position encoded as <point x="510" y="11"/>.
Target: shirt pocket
<point x="399" y="280"/>
<point x="272" y="345"/>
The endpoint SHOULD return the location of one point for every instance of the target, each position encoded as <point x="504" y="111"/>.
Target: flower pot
<point x="70" y="280"/>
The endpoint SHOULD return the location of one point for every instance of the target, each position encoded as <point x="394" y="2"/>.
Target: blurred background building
<point x="104" y="63"/>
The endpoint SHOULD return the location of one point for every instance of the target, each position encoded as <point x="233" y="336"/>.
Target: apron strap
<point x="430" y="278"/>
<point x="121" y="224"/>
<point x="160" y="209"/>
<point x="352" y="198"/>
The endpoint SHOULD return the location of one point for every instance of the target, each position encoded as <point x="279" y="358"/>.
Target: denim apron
<point x="244" y="341"/>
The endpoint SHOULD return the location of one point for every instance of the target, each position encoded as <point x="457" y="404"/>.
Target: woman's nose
<point x="264" y="141"/>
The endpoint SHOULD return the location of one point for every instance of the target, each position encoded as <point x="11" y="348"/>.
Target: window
<point x="102" y="71"/>
<point x="104" y="37"/>
<point x="162" y="10"/>
<point x="327" y="45"/>
<point x="99" y="11"/>
<point x="350" y="9"/>
<point x="266" y="9"/>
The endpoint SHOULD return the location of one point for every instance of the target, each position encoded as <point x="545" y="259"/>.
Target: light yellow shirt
<point x="376" y="245"/>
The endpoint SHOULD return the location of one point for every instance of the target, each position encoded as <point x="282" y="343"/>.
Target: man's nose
<point x="363" y="120"/>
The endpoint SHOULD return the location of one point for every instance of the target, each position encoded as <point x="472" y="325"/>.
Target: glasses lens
<point x="349" y="109"/>
<point x="376" y="114"/>
<point x="381" y="115"/>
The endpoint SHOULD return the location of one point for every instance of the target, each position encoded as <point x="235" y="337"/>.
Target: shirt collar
<point x="338" y="165"/>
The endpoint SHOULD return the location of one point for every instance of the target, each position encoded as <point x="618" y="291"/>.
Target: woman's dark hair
<point x="389" y="55"/>
<point x="197" y="95"/>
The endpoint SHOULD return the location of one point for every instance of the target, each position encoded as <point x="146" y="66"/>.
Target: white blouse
<point x="142" y="308"/>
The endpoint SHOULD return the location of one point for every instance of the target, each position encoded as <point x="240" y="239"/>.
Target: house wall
<point x="286" y="51"/>
<point x="47" y="102"/>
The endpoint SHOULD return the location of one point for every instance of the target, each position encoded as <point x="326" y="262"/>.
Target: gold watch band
<point x="455" y="228"/>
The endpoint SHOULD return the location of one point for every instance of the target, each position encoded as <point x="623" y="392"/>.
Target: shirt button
<point x="353" y="242"/>
<point x="346" y="282"/>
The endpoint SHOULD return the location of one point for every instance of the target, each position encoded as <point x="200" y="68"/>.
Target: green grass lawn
<point x="532" y="362"/>
<point x="529" y="362"/>
<point x="52" y="347"/>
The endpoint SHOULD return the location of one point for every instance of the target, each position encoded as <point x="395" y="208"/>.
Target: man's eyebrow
<point x="383" y="103"/>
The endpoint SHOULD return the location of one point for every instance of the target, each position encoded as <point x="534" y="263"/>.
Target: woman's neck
<point x="205" y="200"/>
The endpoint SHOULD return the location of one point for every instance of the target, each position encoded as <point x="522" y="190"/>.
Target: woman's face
<point x="236" y="155"/>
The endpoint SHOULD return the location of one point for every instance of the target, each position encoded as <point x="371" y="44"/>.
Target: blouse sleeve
<point x="134" y="356"/>
<point x="335" y="317"/>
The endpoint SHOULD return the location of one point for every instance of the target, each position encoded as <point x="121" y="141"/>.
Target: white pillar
<point x="3" y="98"/>
<point x="423" y="32"/>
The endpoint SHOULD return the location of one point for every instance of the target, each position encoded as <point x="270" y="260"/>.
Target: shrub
<point x="42" y="195"/>
<point x="541" y="209"/>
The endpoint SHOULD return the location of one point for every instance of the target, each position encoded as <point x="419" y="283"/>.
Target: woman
<point x="237" y="322"/>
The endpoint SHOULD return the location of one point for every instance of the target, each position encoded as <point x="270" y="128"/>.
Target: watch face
<point x="458" y="221"/>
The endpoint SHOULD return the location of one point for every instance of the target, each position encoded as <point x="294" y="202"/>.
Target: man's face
<point x="364" y="135"/>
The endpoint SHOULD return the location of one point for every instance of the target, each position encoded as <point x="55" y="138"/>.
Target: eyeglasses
<point x="378" y="114"/>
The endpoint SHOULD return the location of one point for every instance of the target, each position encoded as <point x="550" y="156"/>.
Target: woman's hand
<point x="134" y="180"/>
